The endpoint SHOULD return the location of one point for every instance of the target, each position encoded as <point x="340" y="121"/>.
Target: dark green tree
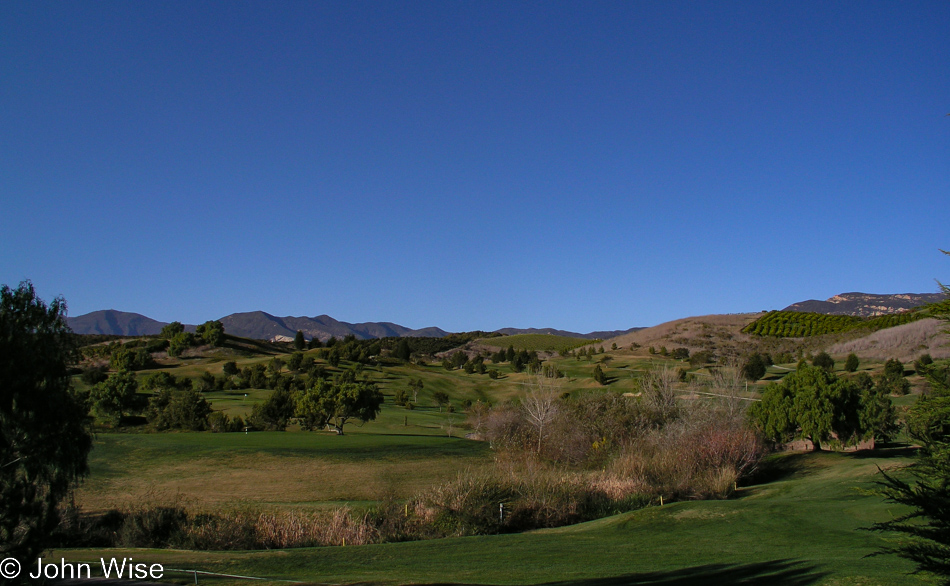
<point x="878" y="417"/>
<point x="852" y="362"/>
<point x="179" y="343"/>
<point x="211" y="332"/>
<point x="44" y="442"/>
<point x="893" y="368"/>
<point x="926" y="528"/>
<point x="275" y="365"/>
<point x="171" y="330"/>
<point x="337" y="403"/>
<point x="114" y="396"/>
<point x="299" y="342"/>
<point x="179" y="409"/>
<point x="599" y="375"/>
<point x="230" y="368"/>
<point x="441" y="399"/>
<point x="402" y="350"/>
<point x="274" y="413"/>
<point x="754" y="367"/>
<point x="294" y="361"/>
<point x="810" y="403"/>
<point x="824" y="360"/>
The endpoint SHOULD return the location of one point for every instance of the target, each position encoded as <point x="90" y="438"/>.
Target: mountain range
<point x="866" y="304"/>
<point x="264" y="326"/>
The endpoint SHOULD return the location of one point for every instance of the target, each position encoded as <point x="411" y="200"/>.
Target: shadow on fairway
<point x="887" y="451"/>
<point x="773" y="573"/>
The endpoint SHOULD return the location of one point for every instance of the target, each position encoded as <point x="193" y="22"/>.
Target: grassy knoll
<point x="801" y="528"/>
<point x="537" y="342"/>
<point x="270" y="469"/>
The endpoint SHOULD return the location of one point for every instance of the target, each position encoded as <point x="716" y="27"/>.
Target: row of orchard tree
<point x="800" y="324"/>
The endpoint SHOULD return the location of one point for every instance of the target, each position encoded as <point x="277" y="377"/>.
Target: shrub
<point x="185" y="409"/>
<point x="851" y="363"/>
<point x="825" y="361"/>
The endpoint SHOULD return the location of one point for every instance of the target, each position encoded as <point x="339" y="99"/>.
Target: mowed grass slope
<point x="269" y="469"/>
<point x="803" y="528"/>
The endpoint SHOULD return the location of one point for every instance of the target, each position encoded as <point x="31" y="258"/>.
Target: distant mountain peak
<point x="866" y="304"/>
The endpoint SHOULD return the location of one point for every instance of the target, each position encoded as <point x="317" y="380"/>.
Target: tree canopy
<point x="335" y="403"/>
<point x="926" y="527"/>
<point x="44" y="442"/>
<point x="812" y="403"/>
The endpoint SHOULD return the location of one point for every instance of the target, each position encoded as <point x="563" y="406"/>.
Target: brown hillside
<point x="905" y="342"/>
<point x="718" y="333"/>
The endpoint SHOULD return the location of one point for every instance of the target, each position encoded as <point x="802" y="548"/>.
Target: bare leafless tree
<point x="729" y="387"/>
<point x="540" y="402"/>
<point x="659" y="394"/>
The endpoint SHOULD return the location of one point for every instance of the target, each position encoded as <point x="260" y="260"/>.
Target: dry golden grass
<point x="691" y="332"/>
<point x="905" y="342"/>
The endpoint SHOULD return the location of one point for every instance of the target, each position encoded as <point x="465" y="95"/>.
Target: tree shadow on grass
<point x="775" y="469"/>
<point x="887" y="451"/>
<point x="772" y="573"/>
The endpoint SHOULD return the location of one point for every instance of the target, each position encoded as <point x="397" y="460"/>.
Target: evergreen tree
<point x="44" y="442"/>
<point x="299" y="342"/>
<point x="851" y="363"/>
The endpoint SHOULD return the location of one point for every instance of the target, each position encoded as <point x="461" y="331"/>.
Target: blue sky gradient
<point x="472" y="165"/>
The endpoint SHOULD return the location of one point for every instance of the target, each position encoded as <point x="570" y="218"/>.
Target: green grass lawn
<point x="802" y="528"/>
<point x="211" y="471"/>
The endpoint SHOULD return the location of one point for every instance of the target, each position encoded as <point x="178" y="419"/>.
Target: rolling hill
<point x="264" y="326"/>
<point x="117" y="323"/>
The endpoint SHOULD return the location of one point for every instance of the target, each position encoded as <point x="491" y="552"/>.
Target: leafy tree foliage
<point x="921" y="364"/>
<point x="893" y="368"/>
<point x="230" y="368"/>
<point x="274" y="413"/>
<point x="599" y="375"/>
<point x="299" y="342"/>
<point x="892" y="379"/>
<point x="44" y="442"/>
<point x="754" y="367"/>
<point x="180" y="342"/>
<point x="211" y="332"/>
<point x="171" y="330"/>
<point x="812" y="403"/>
<point x="852" y="362"/>
<point x="336" y="403"/>
<point x="402" y="350"/>
<point x="294" y="361"/>
<point x="126" y="358"/>
<point x="94" y="375"/>
<point x="824" y="360"/>
<point x="680" y="353"/>
<point x="179" y="409"/>
<point x="798" y="324"/>
<point x="441" y="399"/>
<point x="926" y="527"/>
<point x="114" y="396"/>
<point x="219" y="422"/>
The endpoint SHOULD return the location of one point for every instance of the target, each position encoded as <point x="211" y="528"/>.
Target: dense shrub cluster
<point x="797" y="324"/>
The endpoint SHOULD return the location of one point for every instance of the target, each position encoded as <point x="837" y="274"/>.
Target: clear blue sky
<point x="472" y="165"/>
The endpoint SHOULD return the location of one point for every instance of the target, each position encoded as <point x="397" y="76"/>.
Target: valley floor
<point x="799" y="528"/>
